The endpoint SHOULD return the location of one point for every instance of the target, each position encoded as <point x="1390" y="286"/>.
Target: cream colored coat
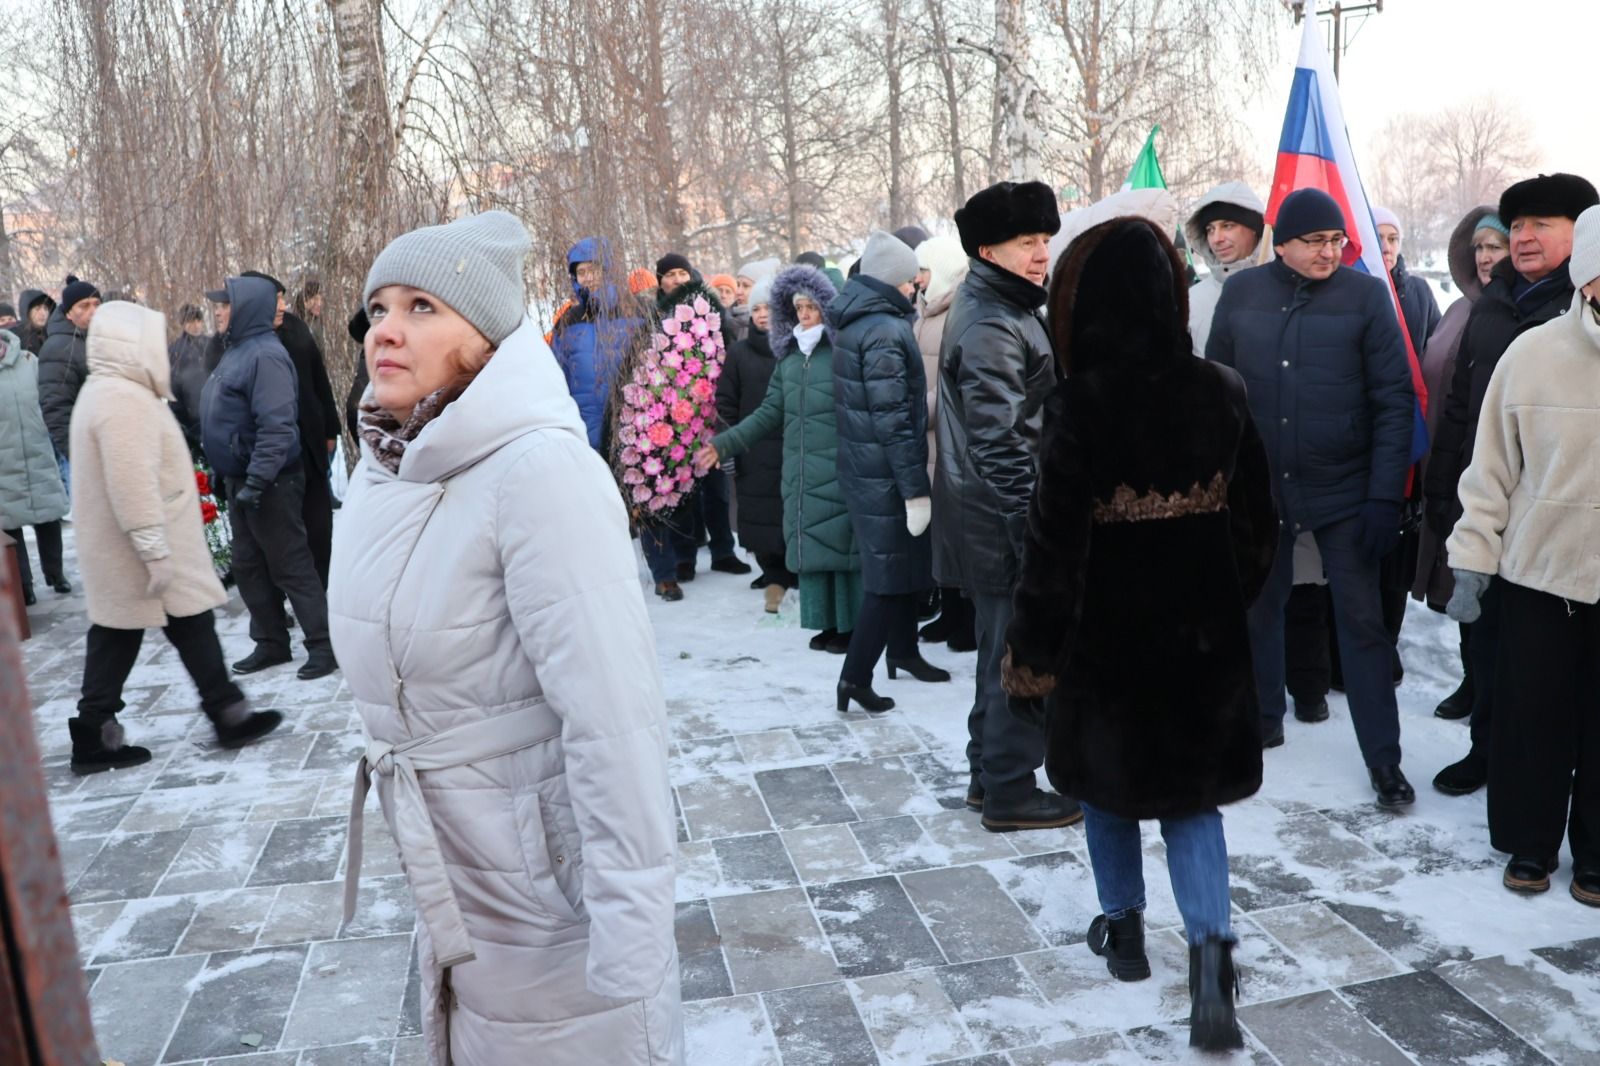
<point x="1531" y="498"/>
<point x="133" y="486"/>
<point x="493" y="578"/>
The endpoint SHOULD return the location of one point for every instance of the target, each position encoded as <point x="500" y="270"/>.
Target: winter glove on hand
<point x="1380" y="528"/>
<point x="1466" y="602"/>
<point x="919" y="512"/>
<point x="161" y="573"/>
<point x="249" y="497"/>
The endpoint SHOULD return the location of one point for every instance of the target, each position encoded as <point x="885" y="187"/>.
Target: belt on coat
<point x="460" y="745"/>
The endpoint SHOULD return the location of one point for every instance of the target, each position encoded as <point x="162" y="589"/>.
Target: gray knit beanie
<point x="473" y="265"/>
<point x="1585" y="265"/>
<point x="888" y="259"/>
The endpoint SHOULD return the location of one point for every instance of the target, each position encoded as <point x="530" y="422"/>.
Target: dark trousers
<point x="48" y="537"/>
<point x="316" y="510"/>
<point x="1483" y="665"/>
<point x="775" y="569"/>
<point x="662" y="539"/>
<point x="1308" y="655"/>
<point x="883" y="622"/>
<point x="1002" y="747"/>
<point x="1545" y="756"/>
<point x="709" y="509"/>
<point x="272" y="558"/>
<point x="1364" y="643"/>
<point x="111" y="655"/>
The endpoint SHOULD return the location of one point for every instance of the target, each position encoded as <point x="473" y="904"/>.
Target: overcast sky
<point x="1420" y="55"/>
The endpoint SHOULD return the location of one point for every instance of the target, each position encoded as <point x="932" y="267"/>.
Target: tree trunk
<point x="897" y="160"/>
<point x="791" y="147"/>
<point x="658" y="124"/>
<point x="1019" y="101"/>
<point x="952" y="101"/>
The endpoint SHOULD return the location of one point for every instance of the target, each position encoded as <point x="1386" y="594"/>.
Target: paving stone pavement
<point x="838" y="905"/>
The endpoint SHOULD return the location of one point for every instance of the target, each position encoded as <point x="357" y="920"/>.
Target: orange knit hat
<point x="719" y="281"/>
<point x="641" y="280"/>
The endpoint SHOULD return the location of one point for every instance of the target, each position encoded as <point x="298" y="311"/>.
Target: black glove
<point x="249" y="497"/>
<point x="1379" y="531"/>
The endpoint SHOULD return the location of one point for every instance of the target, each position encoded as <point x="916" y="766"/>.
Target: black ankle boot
<point x="100" y="746"/>
<point x="870" y="701"/>
<point x="1458" y="704"/>
<point x="919" y="668"/>
<point x="1212" y="986"/>
<point x="237" y="725"/>
<point x="1120" y="941"/>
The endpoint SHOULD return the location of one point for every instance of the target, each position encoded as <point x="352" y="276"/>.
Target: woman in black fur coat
<point x="1151" y="530"/>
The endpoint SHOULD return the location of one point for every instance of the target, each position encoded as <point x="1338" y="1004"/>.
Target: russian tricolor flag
<point x="1314" y="152"/>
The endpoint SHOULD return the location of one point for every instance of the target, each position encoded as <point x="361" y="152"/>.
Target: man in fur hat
<point x="996" y="369"/>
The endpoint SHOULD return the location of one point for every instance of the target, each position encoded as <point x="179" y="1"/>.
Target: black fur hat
<point x="1549" y="196"/>
<point x="1006" y="210"/>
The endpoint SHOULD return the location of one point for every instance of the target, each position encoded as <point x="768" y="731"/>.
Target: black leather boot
<point x="101" y="746"/>
<point x="1464" y="776"/>
<point x="1458" y="704"/>
<point x="320" y="663"/>
<point x="1120" y="941"/>
<point x="919" y="668"/>
<point x="1212" y="985"/>
<point x="870" y="701"/>
<point x="237" y="725"/>
<point x="1034" y="810"/>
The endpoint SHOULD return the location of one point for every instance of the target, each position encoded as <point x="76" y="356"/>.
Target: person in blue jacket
<point x="595" y="332"/>
<point x="1320" y="350"/>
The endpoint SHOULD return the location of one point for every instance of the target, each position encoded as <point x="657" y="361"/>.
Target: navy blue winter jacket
<point x="593" y="336"/>
<point x="249" y="408"/>
<point x="1329" y="384"/>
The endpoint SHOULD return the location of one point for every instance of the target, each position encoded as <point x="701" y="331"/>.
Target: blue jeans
<point x="1197" y="862"/>
<point x="1366" y="651"/>
<point x="660" y="544"/>
<point x="66" y="475"/>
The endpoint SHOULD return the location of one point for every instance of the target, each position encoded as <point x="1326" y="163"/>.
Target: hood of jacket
<point x="12" y="347"/>
<point x="1237" y="194"/>
<point x="1120" y="298"/>
<point x="1463" y="263"/>
<point x="1157" y="205"/>
<point x="863" y="296"/>
<point x="30" y="297"/>
<point x="127" y="341"/>
<point x="790" y="282"/>
<point x="592" y="250"/>
<point x="946" y="262"/>
<point x="520" y="390"/>
<point x="255" y="305"/>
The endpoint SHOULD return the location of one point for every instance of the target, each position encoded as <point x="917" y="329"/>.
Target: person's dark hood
<point x="592" y="250"/>
<point x="1119" y="297"/>
<point x="1463" y="263"/>
<point x="255" y="305"/>
<point x="30" y="297"/>
<point x="864" y="296"/>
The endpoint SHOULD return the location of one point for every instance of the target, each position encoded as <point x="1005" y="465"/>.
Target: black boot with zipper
<point x="1212" y="987"/>
<point x="1120" y="941"/>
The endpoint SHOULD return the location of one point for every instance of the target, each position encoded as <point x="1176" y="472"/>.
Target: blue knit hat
<point x="1492" y="221"/>
<point x="1307" y="211"/>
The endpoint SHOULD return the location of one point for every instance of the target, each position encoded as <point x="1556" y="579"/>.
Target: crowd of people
<point x="1162" y="509"/>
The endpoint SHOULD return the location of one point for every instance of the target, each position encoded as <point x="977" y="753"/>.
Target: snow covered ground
<point x="838" y="905"/>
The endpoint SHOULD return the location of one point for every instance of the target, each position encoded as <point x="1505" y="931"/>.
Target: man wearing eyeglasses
<point x="1321" y="352"/>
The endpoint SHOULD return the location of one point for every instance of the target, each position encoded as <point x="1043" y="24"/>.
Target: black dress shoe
<point x="975" y="792"/>
<point x="1038" y="809"/>
<point x="730" y="564"/>
<point x="1529" y="874"/>
<point x="936" y="631"/>
<point x="1120" y="941"/>
<point x="870" y="701"/>
<point x="1457" y="705"/>
<point x="28" y="598"/>
<point x="839" y="644"/>
<point x="318" y="664"/>
<point x="1393" y="790"/>
<point x="61" y="585"/>
<point x="1586" y="885"/>
<point x="261" y="659"/>
<point x="669" y="591"/>
<point x="1271" y="733"/>
<point x="686" y="571"/>
<point x="1310" y="711"/>
<point x="919" y="668"/>
<point x="820" y="641"/>
<point x="1464" y="777"/>
<point x="1213" y="983"/>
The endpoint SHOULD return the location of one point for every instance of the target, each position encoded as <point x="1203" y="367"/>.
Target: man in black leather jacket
<point x="996" y="369"/>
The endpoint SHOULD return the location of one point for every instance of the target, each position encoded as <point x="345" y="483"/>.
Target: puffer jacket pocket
<point x="543" y="855"/>
<point x="562" y="841"/>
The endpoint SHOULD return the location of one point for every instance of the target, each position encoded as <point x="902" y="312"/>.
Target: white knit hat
<point x="474" y="265"/>
<point x="1585" y="265"/>
<point x="761" y="293"/>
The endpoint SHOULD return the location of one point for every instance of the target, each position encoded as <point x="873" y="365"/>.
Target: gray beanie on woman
<point x="473" y="265"/>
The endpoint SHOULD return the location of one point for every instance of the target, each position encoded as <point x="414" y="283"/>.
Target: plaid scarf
<point x="388" y="437"/>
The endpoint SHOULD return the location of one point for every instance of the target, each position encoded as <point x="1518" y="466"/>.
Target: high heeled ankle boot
<point x="917" y="667"/>
<point x="1212" y="986"/>
<point x="870" y="701"/>
<point x="1120" y="941"/>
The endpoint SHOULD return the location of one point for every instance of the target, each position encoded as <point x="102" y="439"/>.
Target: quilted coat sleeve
<point x="764" y="420"/>
<point x="573" y="589"/>
<point x="989" y="379"/>
<point x="274" y="401"/>
<point x="1048" y="601"/>
<point x="892" y="388"/>
<point x="1391" y="400"/>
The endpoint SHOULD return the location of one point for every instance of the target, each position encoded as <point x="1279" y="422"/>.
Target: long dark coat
<point x="758" y="475"/>
<point x="880" y="391"/>
<point x="1151" y="531"/>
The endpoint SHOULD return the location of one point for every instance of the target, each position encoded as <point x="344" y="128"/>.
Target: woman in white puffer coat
<point x="486" y="607"/>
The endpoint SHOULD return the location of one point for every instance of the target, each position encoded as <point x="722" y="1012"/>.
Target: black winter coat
<point x="63" y="366"/>
<point x="318" y="411"/>
<point x="186" y="358"/>
<point x="758" y="473"/>
<point x="995" y="371"/>
<point x="1417" y="305"/>
<point x="1152" y="531"/>
<point x="880" y="392"/>
<point x="1329" y="383"/>
<point x="1498" y="318"/>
